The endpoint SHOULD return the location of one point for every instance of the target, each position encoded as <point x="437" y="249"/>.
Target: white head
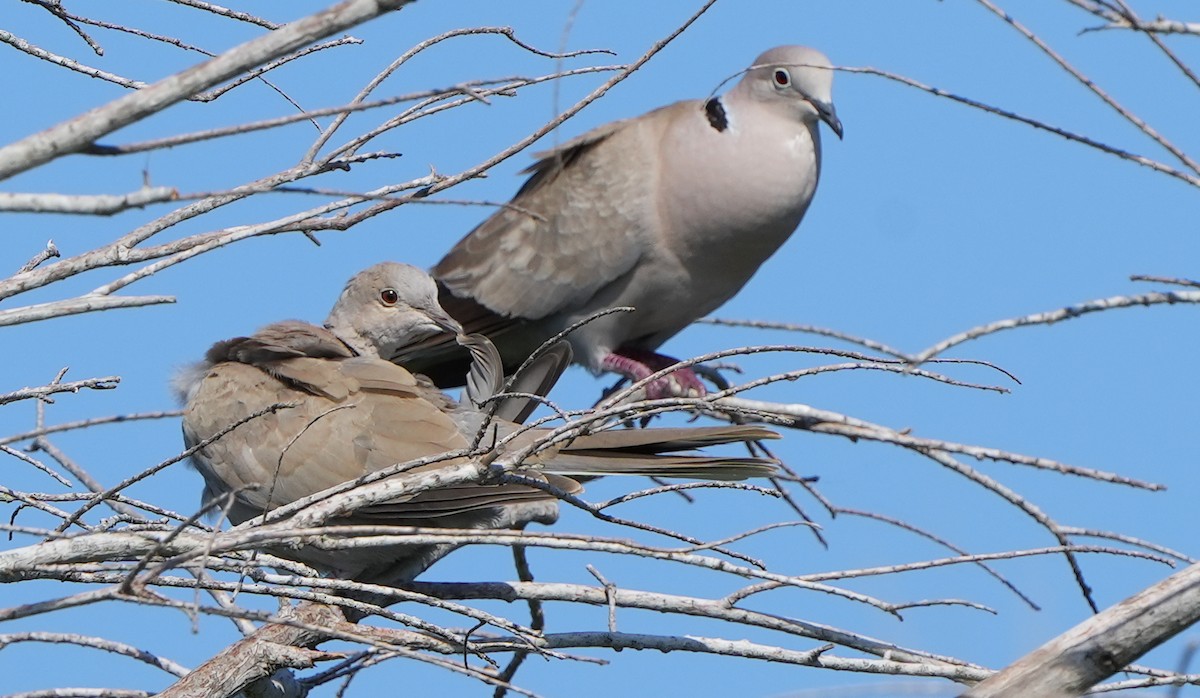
<point x="388" y="306"/>
<point x="795" y="78"/>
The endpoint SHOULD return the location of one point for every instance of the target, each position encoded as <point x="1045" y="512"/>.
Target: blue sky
<point x="930" y="218"/>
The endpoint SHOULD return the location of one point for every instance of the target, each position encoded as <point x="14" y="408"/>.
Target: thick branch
<point x="83" y="130"/>
<point x="89" y="205"/>
<point x="1102" y="645"/>
<point x="258" y="656"/>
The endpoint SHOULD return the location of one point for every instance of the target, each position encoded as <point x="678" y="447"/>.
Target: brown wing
<point x="316" y="443"/>
<point x="386" y="417"/>
<point x="582" y="220"/>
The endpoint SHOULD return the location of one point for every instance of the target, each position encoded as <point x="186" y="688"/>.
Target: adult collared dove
<point x="354" y="413"/>
<point x="671" y="212"/>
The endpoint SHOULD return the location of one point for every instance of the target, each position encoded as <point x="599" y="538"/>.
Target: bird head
<point x="386" y="307"/>
<point x="796" y="78"/>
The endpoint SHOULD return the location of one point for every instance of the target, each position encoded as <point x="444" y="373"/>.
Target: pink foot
<point x="637" y="364"/>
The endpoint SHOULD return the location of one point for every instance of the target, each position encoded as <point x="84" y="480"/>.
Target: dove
<point x="670" y="213"/>
<point x="350" y="413"/>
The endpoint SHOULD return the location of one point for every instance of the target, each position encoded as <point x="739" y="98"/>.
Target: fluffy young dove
<point x="355" y="413"/>
<point x="671" y="212"/>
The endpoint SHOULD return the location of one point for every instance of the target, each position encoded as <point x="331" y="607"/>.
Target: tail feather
<point x="669" y="439"/>
<point x="452" y="501"/>
<point x="587" y="463"/>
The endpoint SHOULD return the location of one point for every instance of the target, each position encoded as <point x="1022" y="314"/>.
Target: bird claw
<point x="637" y="364"/>
<point x="682" y="382"/>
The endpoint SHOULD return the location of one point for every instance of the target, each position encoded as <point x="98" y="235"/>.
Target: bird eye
<point x="389" y="296"/>
<point x="782" y="78"/>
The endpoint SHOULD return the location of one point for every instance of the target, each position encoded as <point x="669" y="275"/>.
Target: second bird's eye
<point x="389" y="296"/>
<point x="782" y="77"/>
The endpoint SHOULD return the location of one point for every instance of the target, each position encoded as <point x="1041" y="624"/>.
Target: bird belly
<point x="726" y="242"/>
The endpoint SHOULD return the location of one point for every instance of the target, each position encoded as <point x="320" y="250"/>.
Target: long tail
<point x="655" y="452"/>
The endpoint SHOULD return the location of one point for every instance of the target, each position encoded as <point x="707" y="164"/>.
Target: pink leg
<point x="637" y="364"/>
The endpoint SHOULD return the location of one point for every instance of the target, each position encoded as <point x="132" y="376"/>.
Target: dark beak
<point x="450" y="325"/>
<point x="443" y="321"/>
<point x="829" y="115"/>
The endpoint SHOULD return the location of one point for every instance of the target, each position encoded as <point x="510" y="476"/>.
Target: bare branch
<point x="1053" y="316"/>
<point x="42" y="54"/>
<point x="1095" y="89"/>
<point x="98" y="643"/>
<point x="1073" y="662"/>
<point x="74" y="135"/>
<point x="91" y="205"/>
<point x="87" y="423"/>
<point x="75" y="306"/>
<point x="1007" y="114"/>
<point x="48" y="252"/>
<point x="43" y="391"/>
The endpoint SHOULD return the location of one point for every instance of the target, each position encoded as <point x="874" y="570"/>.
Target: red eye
<point x="389" y="296"/>
<point x="782" y="78"/>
